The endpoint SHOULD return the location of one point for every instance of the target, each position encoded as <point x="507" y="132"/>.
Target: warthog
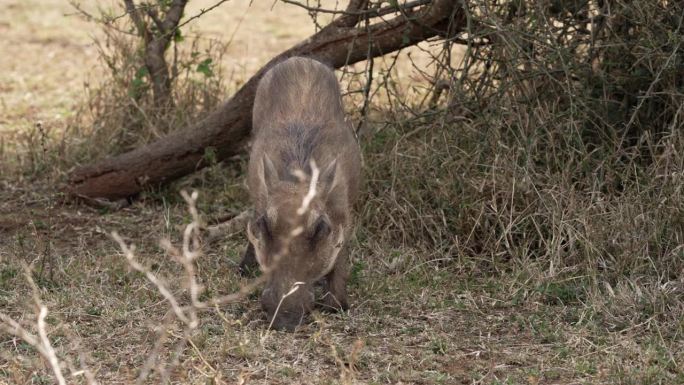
<point x="301" y="137"/>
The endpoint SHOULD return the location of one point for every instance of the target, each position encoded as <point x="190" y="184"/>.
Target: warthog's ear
<point x="328" y="176"/>
<point x="331" y="181"/>
<point x="269" y="174"/>
<point x="254" y="240"/>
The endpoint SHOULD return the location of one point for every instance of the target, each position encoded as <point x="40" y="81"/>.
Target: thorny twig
<point x="41" y="342"/>
<point x="373" y="12"/>
<point x="187" y="254"/>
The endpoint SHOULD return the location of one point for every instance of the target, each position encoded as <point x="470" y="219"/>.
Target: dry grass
<point x="418" y="321"/>
<point x="507" y="236"/>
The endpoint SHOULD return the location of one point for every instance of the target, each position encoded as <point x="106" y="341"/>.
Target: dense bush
<point x="556" y="154"/>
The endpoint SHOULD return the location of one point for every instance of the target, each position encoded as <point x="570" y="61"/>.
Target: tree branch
<point x="156" y="45"/>
<point x="152" y="12"/>
<point x="201" y="13"/>
<point x="137" y="19"/>
<point x="359" y="8"/>
<point x="350" y="19"/>
<point x="173" y="16"/>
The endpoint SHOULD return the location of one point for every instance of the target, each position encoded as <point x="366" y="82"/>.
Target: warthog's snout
<point x="287" y="310"/>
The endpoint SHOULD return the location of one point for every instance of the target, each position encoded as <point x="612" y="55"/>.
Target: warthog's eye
<point x="321" y="229"/>
<point x="263" y="227"/>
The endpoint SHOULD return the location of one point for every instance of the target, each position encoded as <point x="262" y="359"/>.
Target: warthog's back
<point x="297" y="91"/>
<point x="298" y="116"/>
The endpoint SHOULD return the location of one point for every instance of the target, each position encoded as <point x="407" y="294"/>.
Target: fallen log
<point x="227" y="129"/>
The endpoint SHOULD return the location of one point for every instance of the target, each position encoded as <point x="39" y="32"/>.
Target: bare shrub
<point x="122" y="108"/>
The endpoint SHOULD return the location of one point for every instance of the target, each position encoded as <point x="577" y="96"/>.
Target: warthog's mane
<point x="302" y="141"/>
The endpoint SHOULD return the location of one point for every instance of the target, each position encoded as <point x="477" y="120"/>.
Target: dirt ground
<point x="413" y="320"/>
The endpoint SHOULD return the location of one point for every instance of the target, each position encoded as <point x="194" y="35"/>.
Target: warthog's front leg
<point x="335" y="295"/>
<point x="248" y="265"/>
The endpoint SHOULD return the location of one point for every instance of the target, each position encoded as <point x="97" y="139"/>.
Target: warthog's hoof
<point x="331" y="303"/>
